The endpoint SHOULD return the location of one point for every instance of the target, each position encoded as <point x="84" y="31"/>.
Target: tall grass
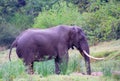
<point x="10" y="70"/>
<point x="48" y="67"/>
<point x="107" y="67"/>
<point x="16" y="68"/>
<point x="76" y="63"/>
<point x="44" y="68"/>
<point x="110" y="66"/>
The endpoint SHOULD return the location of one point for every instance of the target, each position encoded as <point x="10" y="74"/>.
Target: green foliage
<point x="9" y="30"/>
<point x="59" y="14"/>
<point x="7" y="9"/>
<point x="102" y="24"/>
<point x="21" y="21"/>
<point x="12" y="21"/>
<point x="7" y="34"/>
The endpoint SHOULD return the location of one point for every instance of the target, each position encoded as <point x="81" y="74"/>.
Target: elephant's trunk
<point x="85" y="47"/>
<point x="84" y="50"/>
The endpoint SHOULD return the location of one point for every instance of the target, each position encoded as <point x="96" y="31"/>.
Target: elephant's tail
<point x="14" y="44"/>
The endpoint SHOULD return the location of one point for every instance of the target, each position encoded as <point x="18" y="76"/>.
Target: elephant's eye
<point x="79" y="42"/>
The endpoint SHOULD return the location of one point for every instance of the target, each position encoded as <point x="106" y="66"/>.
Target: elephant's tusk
<point x="92" y="56"/>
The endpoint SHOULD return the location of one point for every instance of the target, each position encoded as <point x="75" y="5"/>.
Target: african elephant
<point x="52" y="43"/>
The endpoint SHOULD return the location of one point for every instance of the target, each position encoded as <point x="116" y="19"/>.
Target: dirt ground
<point x="96" y="73"/>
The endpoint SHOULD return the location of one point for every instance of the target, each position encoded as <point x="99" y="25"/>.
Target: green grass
<point x="44" y="68"/>
<point x="10" y="70"/>
<point x="44" y="71"/>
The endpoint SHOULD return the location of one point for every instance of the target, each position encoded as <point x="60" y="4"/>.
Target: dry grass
<point x="4" y="56"/>
<point x="112" y="46"/>
<point x="71" y="77"/>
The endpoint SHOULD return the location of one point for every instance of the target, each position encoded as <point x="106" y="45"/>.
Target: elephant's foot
<point x="30" y="72"/>
<point x="57" y="72"/>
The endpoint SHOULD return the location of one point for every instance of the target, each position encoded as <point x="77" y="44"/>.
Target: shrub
<point x="21" y="21"/>
<point x="102" y="24"/>
<point x="7" y="34"/>
<point x="9" y="30"/>
<point x="59" y="14"/>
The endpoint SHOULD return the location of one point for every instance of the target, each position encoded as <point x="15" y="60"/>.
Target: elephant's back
<point x="48" y="36"/>
<point x="36" y="36"/>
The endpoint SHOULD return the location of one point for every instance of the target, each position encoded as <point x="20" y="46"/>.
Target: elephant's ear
<point x="72" y="35"/>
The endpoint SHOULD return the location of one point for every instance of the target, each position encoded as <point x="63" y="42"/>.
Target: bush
<point x="7" y="34"/>
<point x="9" y="30"/>
<point x="59" y="14"/>
<point x="102" y="24"/>
<point x="21" y="21"/>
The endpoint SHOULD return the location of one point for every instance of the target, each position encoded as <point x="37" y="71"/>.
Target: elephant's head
<point x="78" y="39"/>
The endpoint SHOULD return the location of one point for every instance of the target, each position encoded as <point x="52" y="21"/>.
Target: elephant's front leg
<point x="61" y="64"/>
<point x="57" y="65"/>
<point x="87" y="64"/>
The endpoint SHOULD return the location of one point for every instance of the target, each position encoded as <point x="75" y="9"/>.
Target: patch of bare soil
<point x="116" y="74"/>
<point x="92" y="74"/>
<point x="96" y="73"/>
<point x="2" y="48"/>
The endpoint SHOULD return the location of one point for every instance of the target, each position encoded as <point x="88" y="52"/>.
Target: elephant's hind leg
<point x="57" y="65"/>
<point x="29" y="68"/>
<point x="28" y="59"/>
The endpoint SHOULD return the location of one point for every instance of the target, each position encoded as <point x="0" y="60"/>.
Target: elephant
<point x="52" y="43"/>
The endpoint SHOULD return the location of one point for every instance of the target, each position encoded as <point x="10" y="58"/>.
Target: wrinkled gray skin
<point x="52" y="43"/>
